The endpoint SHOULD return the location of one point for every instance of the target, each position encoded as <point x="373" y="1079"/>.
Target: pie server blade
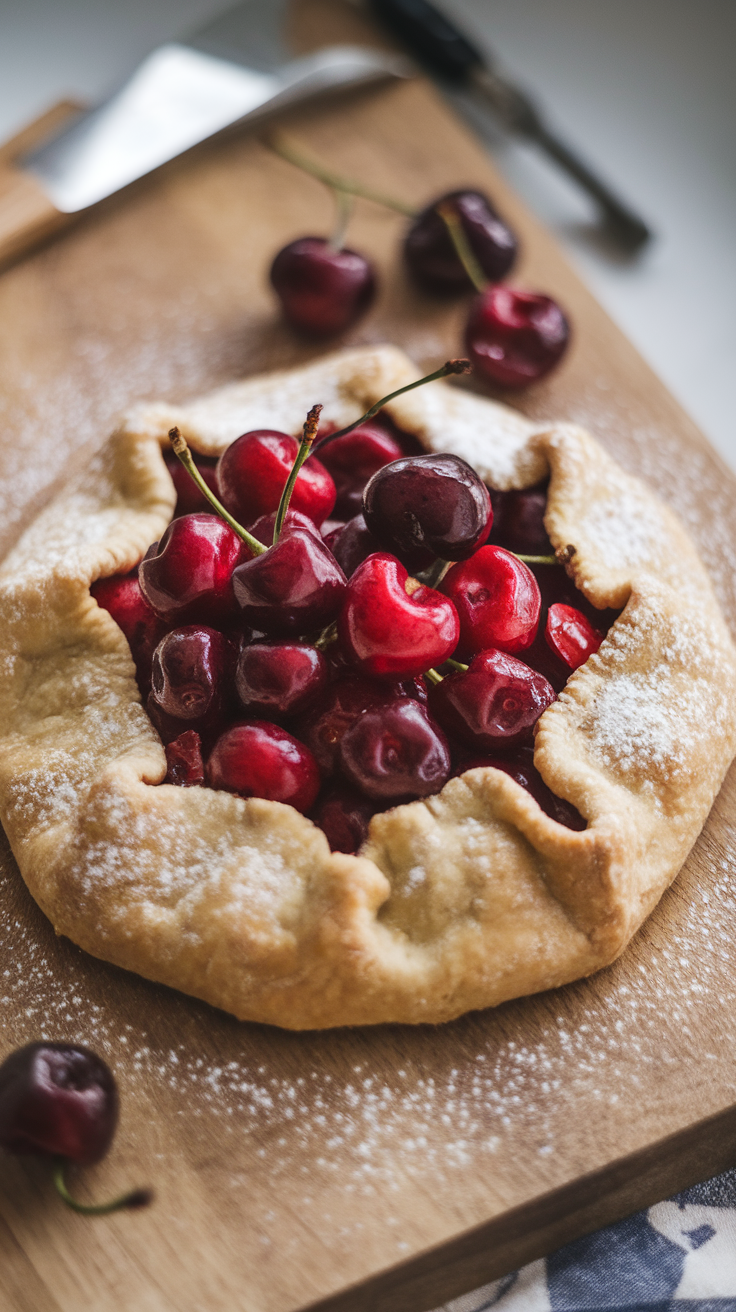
<point x="229" y="71"/>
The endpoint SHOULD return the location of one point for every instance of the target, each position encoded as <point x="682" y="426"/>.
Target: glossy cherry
<point x="518" y="521"/>
<point x="252" y="474"/>
<point x="514" y="338"/>
<point x="186" y="577"/>
<point x="570" y="635"/>
<point x="431" y="255"/>
<point x="390" y="631"/>
<point x="353" y="459"/>
<point x="324" y="724"/>
<point x="57" y="1100"/>
<point x="494" y="704"/>
<point x="351" y="544"/>
<point x="278" y="679"/>
<point x="122" y="597"/>
<point x="184" y="764"/>
<point x="425" y="506"/>
<point x="344" y="815"/>
<point x="294" y="587"/>
<point x="189" y="499"/>
<point x="189" y="681"/>
<point x="257" y="759"/>
<point x="322" y="290"/>
<point x="520" y="766"/>
<point x="395" y="751"/>
<point x="497" y="600"/>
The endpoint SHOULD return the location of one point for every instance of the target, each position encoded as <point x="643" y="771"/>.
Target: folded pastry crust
<point x="457" y="902"/>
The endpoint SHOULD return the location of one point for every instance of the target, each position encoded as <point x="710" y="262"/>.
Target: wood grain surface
<point x="394" y="1168"/>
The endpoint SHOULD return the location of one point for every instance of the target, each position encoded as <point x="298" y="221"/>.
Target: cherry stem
<point x="326" y="637"/>
<point x="433" y="676"/>
<point x="451" y="367"/>
<point x="345" y="201"/>
<point x="182" y="451"/>
<point x="536" y="560"/>
<point x="309" y="432"/>
<point x="456" y="665"/>
<point x="465" y="253"/>
<point x="130" y="1201"/>
<point x="279" y="144"/>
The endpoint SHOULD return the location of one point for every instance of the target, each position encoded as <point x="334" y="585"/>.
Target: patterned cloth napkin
<point x="678" y="1256"/>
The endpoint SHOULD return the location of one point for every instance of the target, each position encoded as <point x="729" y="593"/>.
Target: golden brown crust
<point x="459" y="902"/>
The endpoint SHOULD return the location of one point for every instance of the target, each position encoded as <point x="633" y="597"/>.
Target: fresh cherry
<point x="492" y="705"/>
<point x="58" y="1101"/>
<point x="252" y="474"/>
<point x="295" y="586"/>
<point x="497" y="600"/>
<point x="520" y="766"/>
<point x="570" y="635"/>
<point x="352" y="544"/>
<point x="324" y="724"/>
<point x="353" y="459"/>
<point x="429" y="505"/>
<point x="431" y="255"/>
<point x="344" y="815"/>
<point x="256" y="759"/>
<point x="184" y="764"/>
<point x="186" y="577"/>
<point x="391" y="630"/>
<point x="189" y="499"/>
<point x="278" y="679"/>
<point x="122" y="597"/>
<point x="514" y="338"/>
<point x="189" y="680"/>
<point x="395" y="751"/>
<point x="518" y="521"/>
<point x="322" y="290"/>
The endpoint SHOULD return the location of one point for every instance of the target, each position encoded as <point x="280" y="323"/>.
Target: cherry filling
<point x="497" y="599"/>
<point x="395" y="751"/>
<point x="425" y="506"/>
<point x="492" y="705"/>
<point x="251" y="474"/>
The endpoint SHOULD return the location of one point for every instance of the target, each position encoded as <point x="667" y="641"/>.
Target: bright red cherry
<point x="257" y="759"/>
<point x="492" y="705"/>
<point x="514" y="338"/>
<point x="58" y="1101"/>
<point x="189" y="499"/>
<point x="520" y="765"/>
<point x="497" y="600"/>
<point x="186" y="577"/>
<point x="293" y="587"/>
<point x="395" y="751"/>
<point x="430" y="504"/>
<point x="352" y="544"/>
<point x="390" y="630"/>
<point x="184" y="764"/>
<point x="122" y="597"/>
<point x="322" y="291"/>
<point x="570" y="635"/>
<point x="353" y="459"/>
<point x="252" y="474"/>
<point x="189" y="682"/>
<point x="277" y="679"/>
<point x="431" y="255"/>
<point x="344" y="815"/>
<point x="518" y="521"/>
<point x="324" y="724"/>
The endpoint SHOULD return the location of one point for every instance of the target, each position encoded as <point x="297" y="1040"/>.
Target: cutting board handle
<point x="27" y="215"/>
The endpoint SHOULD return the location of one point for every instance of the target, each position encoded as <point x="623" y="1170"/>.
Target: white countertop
<point x="645" y="88"/>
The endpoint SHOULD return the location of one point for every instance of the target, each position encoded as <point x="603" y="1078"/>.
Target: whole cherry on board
<point x="323" y="287"/>
<point x="59" y="1100"/>
<point x="515" y="337"/>
<point x="431" y="255"/>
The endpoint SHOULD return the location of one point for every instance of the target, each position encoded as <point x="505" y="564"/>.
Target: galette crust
<point x="457" y="902"/>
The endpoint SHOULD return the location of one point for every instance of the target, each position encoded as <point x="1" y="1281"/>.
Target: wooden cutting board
<point x="385" y="1169"/>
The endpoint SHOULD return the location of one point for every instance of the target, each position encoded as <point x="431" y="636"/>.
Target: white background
<point x="645" y="88"/>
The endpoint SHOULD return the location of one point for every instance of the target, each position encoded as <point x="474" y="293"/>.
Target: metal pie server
<point x="230" y="71"/>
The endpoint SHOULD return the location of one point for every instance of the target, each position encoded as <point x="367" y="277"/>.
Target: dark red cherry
<point x="189" y="499"/>
<point x="520" y="765"/>
<point x="186" y="577"/>
<point x="122" y="597"/>
<point x="252" y="474"/>
<point x="492" y="705"/>
<point x="395" y="751"/>
<point x="431" y="255"/>
<point x="433" y="504"/>
<point x="322" y="291"/>
<point x="189" y="682"/>
<point x="497" y="600"/>
<point x="390" y="630"/>
<point x="278" y="679"/>
<point x="514" y="338"/>
<point x="570" y="635"/>
<point x="518" y="521"/>
<point x="293" y="587"/>
<point x="257" y="759"/>
<point x="58" y="1101"/>
<point x="344" y="815"/>
<point x="352" y="544"/>
<point x="324" y="724"/>
<point x="353" y="459"/>
<point x="184" y="764"/>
